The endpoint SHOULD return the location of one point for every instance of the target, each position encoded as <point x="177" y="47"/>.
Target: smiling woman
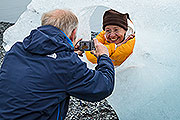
<point x="116" y="29"/>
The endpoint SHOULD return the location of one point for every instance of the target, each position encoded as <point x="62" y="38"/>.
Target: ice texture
<point x="148" y="83"/>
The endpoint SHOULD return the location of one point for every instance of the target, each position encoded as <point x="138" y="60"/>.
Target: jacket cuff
<point x="103" y="55"/>
<point x="103" y="60"/>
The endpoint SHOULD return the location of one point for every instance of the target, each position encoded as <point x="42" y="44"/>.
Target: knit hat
<point x="112" y="17"/>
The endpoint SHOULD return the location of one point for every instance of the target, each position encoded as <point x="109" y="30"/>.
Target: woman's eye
<point x="116" y="30"/>
<point x="108" y="31"/>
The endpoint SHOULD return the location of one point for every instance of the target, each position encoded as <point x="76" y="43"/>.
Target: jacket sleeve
<point x="92" y="85"/>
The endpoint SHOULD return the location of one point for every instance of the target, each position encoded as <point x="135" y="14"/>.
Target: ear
<point x="73" y="35"/>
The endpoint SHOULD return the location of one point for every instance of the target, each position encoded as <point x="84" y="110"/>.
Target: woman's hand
<point x="129" y="38"/>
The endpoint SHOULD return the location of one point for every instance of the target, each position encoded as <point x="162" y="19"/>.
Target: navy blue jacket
<point x="39" y="74"/>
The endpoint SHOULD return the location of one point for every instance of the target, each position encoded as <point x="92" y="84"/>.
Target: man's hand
<point x="100" y="48"/>
<point x="76" y="47"/>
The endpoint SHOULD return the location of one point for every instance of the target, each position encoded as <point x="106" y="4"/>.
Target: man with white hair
<point x="39" y="74"/>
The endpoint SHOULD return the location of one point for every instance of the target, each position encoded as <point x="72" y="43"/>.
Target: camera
<point x="86" y="45"/>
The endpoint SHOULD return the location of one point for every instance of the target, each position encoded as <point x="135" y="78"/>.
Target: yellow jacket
<point x="118" y="55"/>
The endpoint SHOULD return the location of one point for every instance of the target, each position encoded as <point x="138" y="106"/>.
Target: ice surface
<point x="11" y="10"/>
<point x="148" y="82"/>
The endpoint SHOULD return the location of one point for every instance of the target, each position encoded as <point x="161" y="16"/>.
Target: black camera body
<point x="86" y="45"/>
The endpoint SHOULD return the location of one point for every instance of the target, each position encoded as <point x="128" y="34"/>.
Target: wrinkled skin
<point x="114" y="34"/>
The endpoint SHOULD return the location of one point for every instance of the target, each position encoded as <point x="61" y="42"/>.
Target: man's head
<point x="65" y="20"/>
<point x="115" y="25"/>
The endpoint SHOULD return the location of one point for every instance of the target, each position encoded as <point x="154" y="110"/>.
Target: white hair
<point x="65" y="20"/>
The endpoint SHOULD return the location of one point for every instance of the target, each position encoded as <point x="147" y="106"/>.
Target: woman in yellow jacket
<point x="117" y="35"/>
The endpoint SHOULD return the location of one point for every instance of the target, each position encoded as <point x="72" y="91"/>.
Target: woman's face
<point x="114" y="34"/>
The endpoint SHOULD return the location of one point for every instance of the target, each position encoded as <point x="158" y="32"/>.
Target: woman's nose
<point x="112" y="34"/>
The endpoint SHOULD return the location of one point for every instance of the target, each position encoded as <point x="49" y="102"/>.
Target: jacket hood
<point x="47" y="40"/>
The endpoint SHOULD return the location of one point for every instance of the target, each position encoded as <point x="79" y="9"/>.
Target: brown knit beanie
<point x="112" y="17"/>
